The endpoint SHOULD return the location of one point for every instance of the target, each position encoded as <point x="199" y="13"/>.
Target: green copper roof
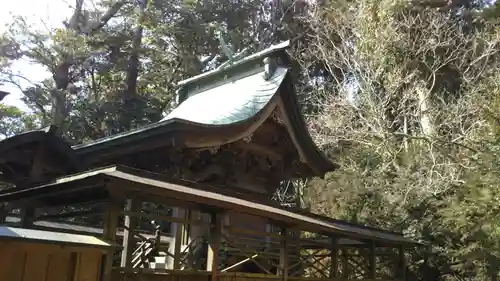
<point x="232" y="101"/>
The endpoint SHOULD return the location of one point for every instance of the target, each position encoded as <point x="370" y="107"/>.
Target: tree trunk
<point x="424" y="108"/>
<point x="61" y="72"/>
<point x="133" y="66"/>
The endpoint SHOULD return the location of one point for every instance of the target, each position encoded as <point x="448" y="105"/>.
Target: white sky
<point x="40" y="13"/>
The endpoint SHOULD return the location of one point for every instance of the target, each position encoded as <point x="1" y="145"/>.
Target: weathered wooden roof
<point x="18" y="155"/>
<point x="154" y="186"/>
<point x="51" y="237"/>
<point x="76" y="228"/>
<point x="237" y="98"/>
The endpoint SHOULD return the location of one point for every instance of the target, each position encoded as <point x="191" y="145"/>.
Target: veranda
<point x="296" y="245"/>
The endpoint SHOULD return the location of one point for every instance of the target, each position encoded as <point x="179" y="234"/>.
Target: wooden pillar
<point x="400" y="268"/>
<point x="195" y="232"/>
<point x="27" y="216"/>
<point x="109" y="234"/>
<point x="297" y="250"/>
<point x="130" y="222"/>
<point x="284" y="257"/>
<point x="372" y="259"/>
<point x="35" y="174"/>
<point x="174" y="232"/>
<point x="334" y="257"/>
<point x="268" y="237"/>
<point x="345" y="264"/>
<point x="215" y="237"/>
<point x="4" y="211"/>
<point x="179" y="235"/>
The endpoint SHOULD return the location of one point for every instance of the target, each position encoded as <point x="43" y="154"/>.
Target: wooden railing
<point x="122" y="274"/>
<point x="146" y="249"/>
<point x="143" y="253"/>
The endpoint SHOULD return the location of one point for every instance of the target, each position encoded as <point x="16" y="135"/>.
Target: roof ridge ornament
<point x="241" y="58"/>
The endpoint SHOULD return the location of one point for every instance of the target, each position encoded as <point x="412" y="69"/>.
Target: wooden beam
<point x="4" y="211"/>
<point x="179" y="235"/>
<point x="239" y="230"/>
<point x="372" y="262"/>
<point x="109" y="234"/>
<point x="334" y="257"/>
<point x="284" y="258"/>
<point x="401" y="267"/>
<point x="275" y="153"/>
<point x="70" y="215"/>
<point x="213" y="254"/>
<point x="128" y="233"/>
<point x="345" y="263"/>
<point x="158" y="217"/>
<point x="27" y="216"/>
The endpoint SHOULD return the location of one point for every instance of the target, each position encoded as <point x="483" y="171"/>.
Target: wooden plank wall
<point x="34" y="264"/>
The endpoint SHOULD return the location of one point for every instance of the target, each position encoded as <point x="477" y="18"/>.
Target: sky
<point x="39" y="13"/>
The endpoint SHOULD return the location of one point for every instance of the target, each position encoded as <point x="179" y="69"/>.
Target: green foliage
<point x="418" y="146"/>
<point x="14" y="121"/>
<point x="91" y="91"/>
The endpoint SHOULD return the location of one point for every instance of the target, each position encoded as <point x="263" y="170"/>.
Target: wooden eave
<point x="294" y="122"/>
<point x="120" y="181"/>
<point x="38" y="150"/>
<point x="35" y="236"/>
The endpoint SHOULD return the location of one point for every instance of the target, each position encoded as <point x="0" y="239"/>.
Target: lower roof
<point x="127" y="180"/>
<point x="50" y="237"/>
<point x="76" y="228"/>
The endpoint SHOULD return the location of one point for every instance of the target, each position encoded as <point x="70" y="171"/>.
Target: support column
<point x="297" y="250"/>
<point x="345" y="265"/>
<point x="215" y="237"/>
<point x="130" y="222"/>
<point x="284" y="257"/>
<point x="27" y="216"/>
<point x="334" y="257"/>
<point x="179" y="235"/>
<point x="27" y="211"/>
<point x="4" y="211"/>
<point x="109" y="234"/>
<point x="372" y="259"/>
<point x="195" y="232"/>
<point x="268" y="237"/>
<point x="400" y="266"/>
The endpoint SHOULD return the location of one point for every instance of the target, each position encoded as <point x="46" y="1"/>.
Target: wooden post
<point x="213" y="254"/>
<point x="130" y="223"/>
<point x="27" y="211"/>
<point x="372" y="270"/>
<point x="179" y="237"/>
<point x="4" y="211"/>
<point x="345" y="266"/>
<point x="401" y="267"/>
<point x="109" y="234"/>
<point x="334" y="257"/>
<point x="194" y="233"/>
<point x="285" y="243"/>
<point x="268" y="237"/>
<point x="27" y="216"/>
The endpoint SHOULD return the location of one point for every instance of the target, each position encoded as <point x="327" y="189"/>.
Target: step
<point x="156" y="265"/>
<point x="161" y="259"/>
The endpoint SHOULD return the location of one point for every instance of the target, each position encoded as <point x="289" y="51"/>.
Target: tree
<point x="403" y="96"/>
